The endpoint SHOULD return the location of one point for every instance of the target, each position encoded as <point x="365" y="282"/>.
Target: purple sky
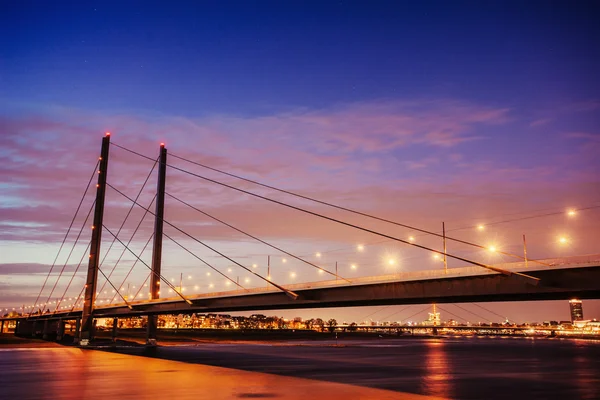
<point x="418" y="113"/>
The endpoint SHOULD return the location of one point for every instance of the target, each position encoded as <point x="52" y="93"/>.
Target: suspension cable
<point x="113" y="286"/>
<point x="212" y="267"/>
<point x="496" y="269"/>
<point x="526" y="217"/>
<point x="147" y="266"/>
<point x="490" y="311"/>
<point x="374" y="312"/>
<point x="128" y="243"/>
<point x="141" y="287"/>
<point x="257" y="239"/>
<point x="417" y="313"/>
<point x="471" y="312"/>
<point x="73" y="276"/>
<point x="362" y="213"/>
<point x="77" y="299"/>
<point x="125" y="220"/>
<point x="134" y="264"/>
<point x="344" y="208"/>
<point x="286" y="291"/>
<point x="451" y="313"/>
<point x="500" y="270"/>
<point x="72" y="249"/>
<point x="397" y="312"/>
<point x="67" y="234"/>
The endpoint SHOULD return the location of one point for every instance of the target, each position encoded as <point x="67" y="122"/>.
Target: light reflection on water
<point x="438" y="380"/>
<point x="585" y="377"/>
<point x="462" y="368"/>
<point x="73" y="374"/>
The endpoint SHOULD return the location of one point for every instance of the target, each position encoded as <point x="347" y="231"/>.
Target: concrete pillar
<point x="60" y="331"/>
<point x="33" y="328"/>
<point x="114" y="330"/>
<point x="2" y="327"/>
<point x="77" y="331"/>
<point x="45" y="331"/>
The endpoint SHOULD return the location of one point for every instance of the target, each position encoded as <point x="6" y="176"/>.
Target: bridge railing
<point x="578" y="261"/>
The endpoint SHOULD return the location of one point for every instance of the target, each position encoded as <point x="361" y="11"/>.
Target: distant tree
<point x="309" y="323"/>
<point x="331" y="324"/>
<point x="319" y="323"/>
<point x="281" y="324"/>
<point x="352" y="327"/>
<point x="244" y="323"/>
<point x="271" y="322"/>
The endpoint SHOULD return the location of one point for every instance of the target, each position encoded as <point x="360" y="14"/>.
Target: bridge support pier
<point x="151" y="329"/>
<point x="2" y="327"/>
<point x="77" y="330"/>
<point x="33" y="329"/>
<point x="45" y="330"/>
<point x="114" y="329"/>
<point x="61" y="330"/>
<point x="21" y="327"/>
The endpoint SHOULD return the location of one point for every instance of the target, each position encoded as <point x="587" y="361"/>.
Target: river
<point x="456" y="368"/>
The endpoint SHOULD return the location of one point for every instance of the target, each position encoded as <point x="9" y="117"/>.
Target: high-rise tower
<point x="576" y="310"/>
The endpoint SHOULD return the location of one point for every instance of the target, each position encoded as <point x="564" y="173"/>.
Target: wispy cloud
<point x="540" y="122"/>
<point x="410" y="161"/>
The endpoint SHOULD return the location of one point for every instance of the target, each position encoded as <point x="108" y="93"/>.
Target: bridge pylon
<point x="87" y="327"/>
<point x="157" y="244"/>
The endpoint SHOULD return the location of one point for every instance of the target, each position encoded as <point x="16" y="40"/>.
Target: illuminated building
<point x="576" y="310"/>
<point x="434" y="318"/>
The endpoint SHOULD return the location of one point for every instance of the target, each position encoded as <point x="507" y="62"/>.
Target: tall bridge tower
<point x="87" y="324"/>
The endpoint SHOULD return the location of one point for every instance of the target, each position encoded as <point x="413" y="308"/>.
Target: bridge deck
<point x="559" y="279"/>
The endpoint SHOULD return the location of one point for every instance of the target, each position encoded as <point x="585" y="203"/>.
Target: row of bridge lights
<point x="50" y="303"/>
<point x="492" y="248"/>
<point x="360" y="248"/>
<point x="561" y="240"/>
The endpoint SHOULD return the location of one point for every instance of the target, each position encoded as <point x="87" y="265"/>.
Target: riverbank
<point x="467" y="368"/>
<point x="73" y="374"/>
<point x="173" y="337"/>
<point x="8" y="340"/>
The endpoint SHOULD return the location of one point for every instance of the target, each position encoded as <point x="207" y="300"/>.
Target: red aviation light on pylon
<point x="107" y="134"/>
<point x="162" y="144"/>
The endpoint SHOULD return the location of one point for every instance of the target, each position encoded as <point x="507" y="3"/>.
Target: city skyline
<point x="421" y="114"/>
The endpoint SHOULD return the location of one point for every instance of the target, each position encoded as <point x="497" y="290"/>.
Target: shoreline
<point x="137" y="337"/>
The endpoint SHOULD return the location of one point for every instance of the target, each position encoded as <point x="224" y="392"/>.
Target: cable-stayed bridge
<point x="524" y="279"/>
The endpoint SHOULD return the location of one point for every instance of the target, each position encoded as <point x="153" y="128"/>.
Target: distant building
<point x="576" y="310"/>
<point x="434" y="318"/>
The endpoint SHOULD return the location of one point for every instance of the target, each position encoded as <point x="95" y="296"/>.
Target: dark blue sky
<point x="249" y="57"/>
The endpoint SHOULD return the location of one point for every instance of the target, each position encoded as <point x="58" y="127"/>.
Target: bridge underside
<point x="554" y="284"/>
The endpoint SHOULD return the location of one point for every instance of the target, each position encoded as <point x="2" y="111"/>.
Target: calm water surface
<point x="461" y="368"/>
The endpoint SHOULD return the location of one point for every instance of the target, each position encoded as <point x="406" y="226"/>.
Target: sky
<point x="463" y="112"/>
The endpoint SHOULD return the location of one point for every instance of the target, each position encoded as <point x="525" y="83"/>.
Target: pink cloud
<point x="540" y="122"/>
<point x="339" y="155"/>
